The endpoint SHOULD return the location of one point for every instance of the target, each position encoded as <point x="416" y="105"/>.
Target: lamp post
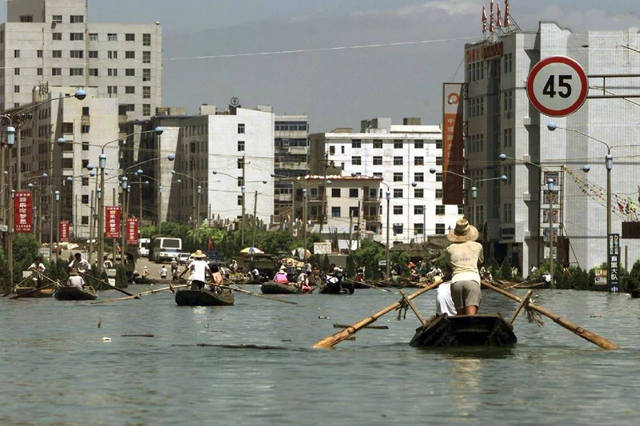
<point x="608" y="162"/>
<point x="57" y="195"/>
<point x="305" y="207"/>
<point x="11" y="133"/>
<point x="387" y="251"/>
<point x="124" y="183"/>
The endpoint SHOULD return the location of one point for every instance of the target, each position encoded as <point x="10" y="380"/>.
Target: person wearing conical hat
<point x="75" y="280"/>
<point x="465" y="256"/>
<point x="199" y="270"/>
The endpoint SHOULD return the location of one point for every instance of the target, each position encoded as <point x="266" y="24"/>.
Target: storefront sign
<point x="63" y="231"/>
<point x="23" y="214"/>
<point x="112" y="222"/>
<point x="131" y="231"/>
<point x="614" y="262"/>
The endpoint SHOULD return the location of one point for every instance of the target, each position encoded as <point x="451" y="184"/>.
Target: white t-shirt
<point x="198" y="270"/>
<point x="444" y="302"/>
<point x="82" y="266"/>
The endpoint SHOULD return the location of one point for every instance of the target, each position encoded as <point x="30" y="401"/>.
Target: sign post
<point x="112" y="222"/>
<point x="613" y="261"/>
<point x="131" y="230"/>
<point x="557" y="86"/>
<point x="63" y="231"/>
<point x="22" y="212"/>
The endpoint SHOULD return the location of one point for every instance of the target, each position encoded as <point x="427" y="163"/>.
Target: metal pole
<point x="305" y="206"/>
<point x="58" y="223"/>
<point x="125" y="193"/>
<point x="100" y="233"/>
<point x="11" y="221"/>
<point x="140" y="201"/>
<point x="158" y="220"/>
<point x="551" y="260"/>
<point x="609" y="166"/>
<point x="244" y="168"/>
<point x="92" y="209"/>
<point x="19" y="161"/>
<point x="50" y="192"/>
<point x="114" y="201"/>
<point x="388" y="240"/>
<point x="3" y="191"/>
<point x="255" y="218"/>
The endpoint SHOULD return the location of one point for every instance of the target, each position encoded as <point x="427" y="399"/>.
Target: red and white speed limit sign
<point x="557" y="86"/>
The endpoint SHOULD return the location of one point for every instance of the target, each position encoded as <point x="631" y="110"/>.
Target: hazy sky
<point x="336" y="88"/>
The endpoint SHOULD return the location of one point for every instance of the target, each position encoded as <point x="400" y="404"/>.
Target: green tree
<point x="505" y="270"/>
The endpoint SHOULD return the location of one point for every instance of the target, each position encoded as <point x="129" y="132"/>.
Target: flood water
<point x="251" y="364"/>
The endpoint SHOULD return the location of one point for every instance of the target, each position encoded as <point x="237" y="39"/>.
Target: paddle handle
<point x="585" y="334"/>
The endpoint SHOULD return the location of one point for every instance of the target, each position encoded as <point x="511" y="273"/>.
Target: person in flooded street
<point x="75" y="279"/>
<point x="465" y="254"/>
<point x="217" y="280"/>
<point x="199" y="270"/>
<point x="82" y="266"/>
<point x="174" y="269"/>
<point x="37" y="267"/>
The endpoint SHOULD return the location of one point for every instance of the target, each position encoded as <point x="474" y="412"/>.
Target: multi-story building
<point x="224" y="162"/>
<point x="51" y="42"/>
<point x="402" y="155"/>
<point x="348" y="206"/>
<point x="291" y="151"/>
<point x="50" y="165"/>
<point x="500" y="119"/>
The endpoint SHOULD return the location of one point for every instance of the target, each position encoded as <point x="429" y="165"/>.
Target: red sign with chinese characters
<point x="112" y="222"/>
<point x="131" y="232"/>
<point x="22" y="212"/>
<point x="63" y="231"/>
<point x="452" y="144"/>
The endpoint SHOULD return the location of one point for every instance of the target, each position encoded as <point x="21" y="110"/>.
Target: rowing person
<point x="37" y="267"/>
<point x="465" y="254"/>
<point x="199" y="270"/>
<point x="82" y="266"/>
<point x="75" y="279"/>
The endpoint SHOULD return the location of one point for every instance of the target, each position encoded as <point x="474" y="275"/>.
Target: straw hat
<point x="198" y="255"/>
<point x="463" y="232"/>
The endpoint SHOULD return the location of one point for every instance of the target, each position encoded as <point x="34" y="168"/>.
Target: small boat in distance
<point x="75" y="293"/>
<point x="464" y="330"/>
<point x="33" y="292"/>
<point x="272" y="287"/>
<point x="219" y="297"/>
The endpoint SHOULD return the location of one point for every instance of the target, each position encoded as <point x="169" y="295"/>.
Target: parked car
<point x="183" y="258"/>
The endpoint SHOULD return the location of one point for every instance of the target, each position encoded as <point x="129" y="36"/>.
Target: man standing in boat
<point x="81" y="265"/>
<point x="199" y="270"/>
<point x="37" y="268"/>
<point x="465" y="255"/>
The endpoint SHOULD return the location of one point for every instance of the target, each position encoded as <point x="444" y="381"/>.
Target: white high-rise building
<point x="51" y="43"/>
<point x="402" y="155"/>
<point x="500" y="119"/>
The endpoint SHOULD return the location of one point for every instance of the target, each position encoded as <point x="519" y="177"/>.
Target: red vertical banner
<point x="63" y="231"/>
<point x="131" y="231"/>
<point x="22" y="212"/>
<point x="112" y="222"/>
<point x="452" y="143"/>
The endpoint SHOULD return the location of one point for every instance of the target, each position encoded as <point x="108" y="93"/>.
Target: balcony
<point x="292" y="166"/>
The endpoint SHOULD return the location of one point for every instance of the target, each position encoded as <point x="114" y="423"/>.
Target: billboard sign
<point x="131" y="230"/>
<point x="22" y="212"/>
<point x="63" y="231"/>
<point x="452" y="143"/>
<point x="112" y="222"/>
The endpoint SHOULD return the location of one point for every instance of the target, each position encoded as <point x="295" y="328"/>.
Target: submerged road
<point x="251" y="364"/>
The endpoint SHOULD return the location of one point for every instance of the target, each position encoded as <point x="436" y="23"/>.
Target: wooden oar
<point x="139" y="295"/>
<point x="585" y="334"/>
<point x="18" y="285"/>
<point x="262" y="296"/>
<point x="107" y="283"/>
<point x="18" y="296"/>
<point x="330" y="341"/>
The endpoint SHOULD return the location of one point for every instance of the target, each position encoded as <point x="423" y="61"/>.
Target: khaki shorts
<point x="466" y="293"/>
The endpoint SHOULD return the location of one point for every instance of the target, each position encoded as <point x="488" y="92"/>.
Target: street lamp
<point x="57" y="195"/>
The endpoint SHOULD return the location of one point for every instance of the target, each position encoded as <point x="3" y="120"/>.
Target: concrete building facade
<point x="402" y="155"/>
<point x="500" y="119"/>
<point x="51" y="43"/>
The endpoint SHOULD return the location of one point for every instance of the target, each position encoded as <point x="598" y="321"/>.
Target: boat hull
<point x="205" y="298"/>
<point x="271" y="287"/>
<point x="74" y="293"/>
<point x="346" y="289"/>
<point x="465" y="330"/>
<point x="45" y="292"/>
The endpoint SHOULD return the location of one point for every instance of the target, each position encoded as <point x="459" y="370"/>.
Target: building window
<point x="356" y="143"/>
<point x="112" y="90"/>
<point x="146" y="57"/>
<point x="418" y="161"/>
<point x="112" y="37"/>
<point x="240" y="199"/>
<point x="85" y="128"/>
<point x="93" y="54"/>
<point x="397" y="161"/>
<point x="418" y="210"/>
<point x="397" y="209"/>
<point x="353" y="192"/>
<point x="56" y="36"/>
<point x="76" y="71"/>
<point x="397" y="228"/>
<point x="397" y="193"/>
<point x="16" y="53"/>
<point x="85" y="181"/>
<point x="76" y="36"/>
<point x="16" y="71"/>
<point x="146" y="110"/>
<point x="39" y="53"/>
<point x="335" y="192"/>
<point x="397" y="144"/>
<point x="439" y="210"/>
<point x="377" y="161"/>
<point x="342" y="149"/>
<point x="67" y="128"/>
<point x="112" y="54"/>
<point x="240" y="181"/>
<point x="377" y="175"/>
<point x="93" y="37"/>
<point x="146" y="74"/>
<point x="77" y="19"/>
<point x="377" y="144"/>
<point x="438" y="161"/>
<point x="56" y="53"/>
<point x="39" y="71"/>
<point x="130" y="37"/>
<point x="354" y="212"/>
<point x="397" y="177"/>
<point x="332" y="150"/>
<point x="130" y="72"/>
<point x="439" y="177"/>
<point x="130" y="54"/>
<point x="508" y="138"/>
<point x="356" y="161"/>
<point x="77" y="54"/>
<point x="418" y="193"/>
<point x="438" y="193"/>
<point x="240" y="163"/>
<point x="112" y="72"/>
<point x="146" y="92"/>
<point x="16" y="89"/>
<point x="85" y="111"/>
<point x="418" y="144"/>
<point x="418" y="228"/>
<point x="85" y="220"/>
<point x="26" y="18"/>
<point x="240" y="146"/>
<point x="439" y="144"/>
<point x="241" y="128"/>
<point x="335" y="211"/>
<point x="56" y="19"/>
<point x="146" y="39"/>
<point x="440" y="229"/>
<point x="130" y="90"/>
<point x="56" y="71"/>
<point x="85" y="199"/>
<point x="418" y="177"/>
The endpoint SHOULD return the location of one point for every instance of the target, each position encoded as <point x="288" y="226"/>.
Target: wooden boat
<point x="45" y="292"/>
<point x="635" y="294"/>
<point x="187" y="297"/>
<point x="346" y="288"/>
<point x="75" y="293"/>
<point x="357" y="284"/>
<point x="465" y="330"/>
<point x="271" y="287"/>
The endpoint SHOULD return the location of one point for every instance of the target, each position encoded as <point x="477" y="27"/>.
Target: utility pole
<point x="255" y="218"/>
<point x="101" y="196"/>
<point x="244" y="182"/>
<point x="350" y="230"/>
<point x="113" y="203"/>
<point x="92" y="215"/>
<point x="388" y="239"/>
<point x="358" y="233"/>
<point x="551" y="260"/>
<point x="57" y="194"/>
<point x="140" y="200"/>
<point x="11" y="230"/>
<point x="123" y="221"/>
<point x="304" y="217"/>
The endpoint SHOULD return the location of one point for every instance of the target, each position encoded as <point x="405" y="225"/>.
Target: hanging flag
<point x="484" y="30"/>
<point x="491" y="17"/>
<point x="498" y="17"/>
<point x="620" y="207"/>
<point x="507" y="22"/>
